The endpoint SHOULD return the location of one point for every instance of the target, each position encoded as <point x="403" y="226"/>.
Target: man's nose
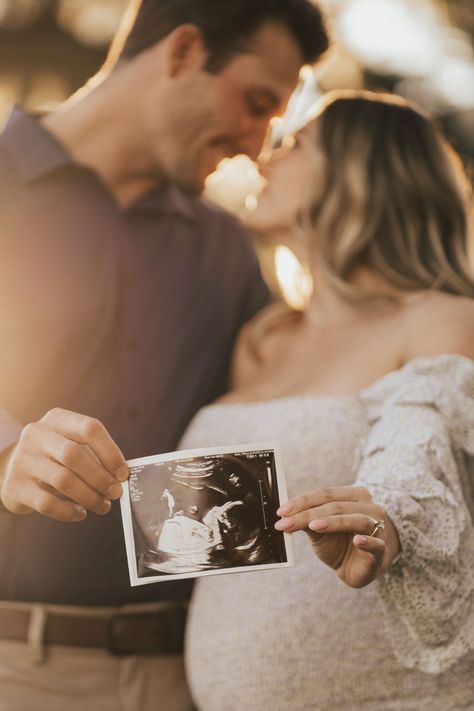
<point x="254" y="139"/>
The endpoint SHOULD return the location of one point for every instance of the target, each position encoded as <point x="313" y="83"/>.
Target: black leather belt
<point x="121" y="633"/>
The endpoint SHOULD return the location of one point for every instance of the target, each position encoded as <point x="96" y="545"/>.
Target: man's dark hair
<point x="228" y="26"/>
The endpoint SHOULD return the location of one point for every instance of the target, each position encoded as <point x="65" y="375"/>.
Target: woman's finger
<point x="336" y="508"/>
<point x="369" y="544"/>
<point x="301" y="521"/>
<point x="326" y="495"/>
<point x="347" y="523"/>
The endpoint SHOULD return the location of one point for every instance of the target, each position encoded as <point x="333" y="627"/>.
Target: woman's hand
<point x="340" y="522"/>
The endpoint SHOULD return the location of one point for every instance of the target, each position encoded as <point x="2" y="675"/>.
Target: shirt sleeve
<point x="417" y="463"/>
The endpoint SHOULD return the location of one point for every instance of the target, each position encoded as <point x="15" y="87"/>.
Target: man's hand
<point x="63" y="466"/>
<point x="341" y="524"/>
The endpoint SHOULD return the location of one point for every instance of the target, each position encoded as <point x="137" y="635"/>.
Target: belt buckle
<point x="137" y="633"/>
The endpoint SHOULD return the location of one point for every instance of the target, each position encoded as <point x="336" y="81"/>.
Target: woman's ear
<point x="184" y="50"/>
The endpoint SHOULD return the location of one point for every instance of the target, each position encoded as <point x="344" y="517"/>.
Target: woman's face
<point x="291" y="174"/>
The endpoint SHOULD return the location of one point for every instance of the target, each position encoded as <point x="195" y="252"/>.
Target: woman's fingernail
<point x="284" y="510"/>
<point x="360" y="540"/>
<point x="283" y="524"/>
<point x="319" y="524"/>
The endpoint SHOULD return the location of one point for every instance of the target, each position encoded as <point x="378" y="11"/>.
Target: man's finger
<point x="91" y="432"/>
<point x="47" y="504"/>
<point x="78" y="458"/>
<point x="65" y="482"/>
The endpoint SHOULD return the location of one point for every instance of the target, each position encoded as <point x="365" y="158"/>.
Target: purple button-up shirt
<point x="127" y="315"/>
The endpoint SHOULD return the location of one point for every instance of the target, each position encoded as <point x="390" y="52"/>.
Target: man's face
<point x="214" y="116"/>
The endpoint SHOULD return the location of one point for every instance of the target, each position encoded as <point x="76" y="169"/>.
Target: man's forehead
<point x="278" y="51"/>
<point x="273" y="59"/>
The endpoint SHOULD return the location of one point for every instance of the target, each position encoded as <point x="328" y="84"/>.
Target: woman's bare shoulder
<point x="440" y="323"/>
<point x="254" y="340"/>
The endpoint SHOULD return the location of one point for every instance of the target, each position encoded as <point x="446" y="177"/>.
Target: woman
<point x="371" y="393"/>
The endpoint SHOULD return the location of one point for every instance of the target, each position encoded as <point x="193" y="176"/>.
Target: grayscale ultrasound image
<point x="202" y="513"/>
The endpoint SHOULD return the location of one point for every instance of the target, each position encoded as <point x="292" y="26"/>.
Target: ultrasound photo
<point x="202" y="512"/>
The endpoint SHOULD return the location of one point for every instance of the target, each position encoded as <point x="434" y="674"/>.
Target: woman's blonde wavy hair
<point x="394" y="197"/>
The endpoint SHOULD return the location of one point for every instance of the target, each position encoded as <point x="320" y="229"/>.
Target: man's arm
<point x="62" y="466"/>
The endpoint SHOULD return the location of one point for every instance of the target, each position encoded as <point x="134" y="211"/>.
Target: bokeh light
<point x="93" y="23"/>
<point x="294" y="280"/>
<point x="47" y="91"/>
<point x="390" y="36"/>
<point x="20" y="13"/>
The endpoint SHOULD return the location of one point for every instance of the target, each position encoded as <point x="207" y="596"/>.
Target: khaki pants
<point x="86" y="679"/>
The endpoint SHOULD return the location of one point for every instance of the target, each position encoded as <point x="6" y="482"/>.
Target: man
<point x="121" y="297"/>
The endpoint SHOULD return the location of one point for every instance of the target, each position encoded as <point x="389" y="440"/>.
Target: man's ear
<point x="184" y="50"/>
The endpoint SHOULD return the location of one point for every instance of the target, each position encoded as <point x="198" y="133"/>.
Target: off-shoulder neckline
<point x="411" y="365"/>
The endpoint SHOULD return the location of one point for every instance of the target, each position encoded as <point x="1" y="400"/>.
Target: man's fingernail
<point x="105" y="506"/>
<point x="115" y="491"/>
<point x="122" y="473"/>
<point x="81" y="513"/>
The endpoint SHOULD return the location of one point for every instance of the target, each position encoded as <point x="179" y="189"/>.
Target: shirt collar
<point x="35" y="153"/>
<point x="33" y="149"/>
<point x="168" y="200"/>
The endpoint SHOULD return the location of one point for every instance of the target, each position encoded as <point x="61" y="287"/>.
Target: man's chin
<point x="192" y="186"/>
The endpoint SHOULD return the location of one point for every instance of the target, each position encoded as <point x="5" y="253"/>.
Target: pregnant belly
<point x="281" y="639"/>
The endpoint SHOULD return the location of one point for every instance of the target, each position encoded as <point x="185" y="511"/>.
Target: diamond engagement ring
<point x="378" y="526"/>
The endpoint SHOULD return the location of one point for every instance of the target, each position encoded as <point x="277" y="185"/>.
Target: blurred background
<point x="420" y="49"/>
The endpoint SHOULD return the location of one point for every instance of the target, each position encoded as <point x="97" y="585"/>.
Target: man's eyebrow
<point x="273" y="97"/>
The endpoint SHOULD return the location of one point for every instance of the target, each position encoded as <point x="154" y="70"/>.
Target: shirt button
<point x="133" y="412"/>
<point x="132" y="344"/>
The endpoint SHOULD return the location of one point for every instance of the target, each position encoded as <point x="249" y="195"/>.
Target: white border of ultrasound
<point x="172" y="456"/>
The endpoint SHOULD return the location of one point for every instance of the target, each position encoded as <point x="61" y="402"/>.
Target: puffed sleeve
<point x="418" y="465"/>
